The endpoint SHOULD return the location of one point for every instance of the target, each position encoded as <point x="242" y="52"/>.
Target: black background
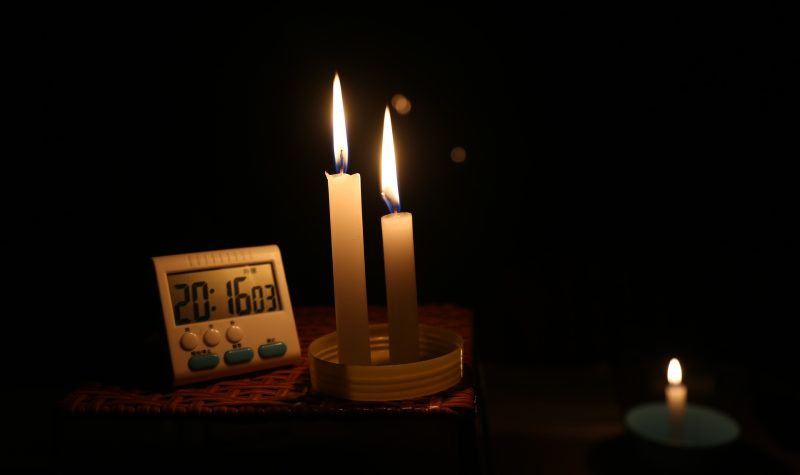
<point x="626" y="192"/>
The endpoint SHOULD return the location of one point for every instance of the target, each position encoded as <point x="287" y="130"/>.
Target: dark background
<point x="625" y="194"/>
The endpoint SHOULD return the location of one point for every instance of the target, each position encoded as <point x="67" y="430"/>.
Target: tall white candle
<point x="347" y="246"/>
<point x="398" y="255"/>
<point x="676" y="394"/>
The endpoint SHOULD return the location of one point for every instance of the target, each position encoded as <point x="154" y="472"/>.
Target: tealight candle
<point x="676" y="397"/>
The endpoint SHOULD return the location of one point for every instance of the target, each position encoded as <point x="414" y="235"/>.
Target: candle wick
<point x="342" y="164"/>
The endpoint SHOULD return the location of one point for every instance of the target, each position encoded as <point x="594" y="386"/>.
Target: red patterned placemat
<point x="286" y="390"/>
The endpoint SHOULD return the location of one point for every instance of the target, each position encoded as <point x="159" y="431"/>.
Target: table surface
<point x="285" y="390"/>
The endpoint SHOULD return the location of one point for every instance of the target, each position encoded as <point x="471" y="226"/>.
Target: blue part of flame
<point x="392" y="208"/>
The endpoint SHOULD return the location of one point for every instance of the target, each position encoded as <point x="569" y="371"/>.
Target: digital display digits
<point x="223" y="292"/>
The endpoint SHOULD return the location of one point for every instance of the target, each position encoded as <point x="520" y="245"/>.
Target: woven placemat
<point x="286" y="390"/>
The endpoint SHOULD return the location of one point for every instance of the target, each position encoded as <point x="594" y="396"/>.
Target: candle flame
<point x="674" y="372"/>
<point x="389" y="190"/>
<point x="339" y="128"/>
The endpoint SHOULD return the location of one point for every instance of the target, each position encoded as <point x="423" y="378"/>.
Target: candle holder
<point x="440" y="367"/>
<point x="702" y="427"/>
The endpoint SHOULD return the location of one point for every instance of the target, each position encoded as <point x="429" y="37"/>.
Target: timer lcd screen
<point x="223" y="292"/>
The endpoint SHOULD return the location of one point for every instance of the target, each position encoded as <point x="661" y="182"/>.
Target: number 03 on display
<point x="226" y="312"/>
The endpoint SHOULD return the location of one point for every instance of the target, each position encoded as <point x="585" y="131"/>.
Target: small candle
<point x="398" y="256"/>
<point x="676" y="397"/>
<point x="347" y="246"/>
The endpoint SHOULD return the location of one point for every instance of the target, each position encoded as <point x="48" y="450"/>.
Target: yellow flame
<point x="339" y="128"/>
<point x="674" y="373"/>
<point x="389" y="165"/>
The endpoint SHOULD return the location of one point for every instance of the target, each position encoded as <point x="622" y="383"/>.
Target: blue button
<point x="272" y="350"/>
<point x="238" y="355"/>
<point x="203" y="361"/>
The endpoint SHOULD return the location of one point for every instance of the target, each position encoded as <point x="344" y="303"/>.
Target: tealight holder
<point x="440" y="367"/>
<point x="703" y="427"/>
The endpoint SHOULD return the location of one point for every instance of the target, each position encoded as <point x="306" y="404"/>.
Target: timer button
<point x="189" y="341"/>
<point x="212" y="337"/>
<point x="239" y="355"/>
<point x="203" y="361"/>
<point x="272" y="350"/>
<point x="234" y="333"/>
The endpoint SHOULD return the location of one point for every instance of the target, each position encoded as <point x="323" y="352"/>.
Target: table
<point x="274" y="419"/>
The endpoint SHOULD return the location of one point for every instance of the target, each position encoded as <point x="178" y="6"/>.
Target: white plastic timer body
<point x="226" y="312"/>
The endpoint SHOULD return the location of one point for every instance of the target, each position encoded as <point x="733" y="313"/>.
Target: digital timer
<point x="226" y="312"/>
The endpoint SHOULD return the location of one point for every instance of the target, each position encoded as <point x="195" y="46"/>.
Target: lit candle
<point x="676" y="397"/>
<point x="398" y="256"/>
<point x="347" y="246"/>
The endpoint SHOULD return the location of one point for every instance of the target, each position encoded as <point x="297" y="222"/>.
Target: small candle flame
<point x="674" y="373"/>
<point x="389" y="190"/>
<point x="339" y="128"/>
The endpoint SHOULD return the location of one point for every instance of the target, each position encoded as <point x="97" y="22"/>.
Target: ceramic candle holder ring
<point x="702" y="427"/>
<point x="440" y="367"/>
